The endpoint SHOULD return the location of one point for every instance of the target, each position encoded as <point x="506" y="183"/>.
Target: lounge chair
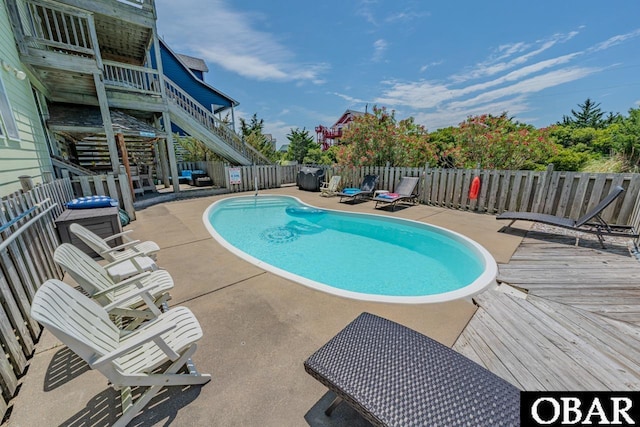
<point x="597" y="226"/>
<point x="368" y="186"/>
<point x="101" y="246"/>
<point x="393" y="375"/>
<point x="405" y="192"/>
<point x="139" y="297"/>
<point x="330" y="188"/>
<point x="127" y="360"/>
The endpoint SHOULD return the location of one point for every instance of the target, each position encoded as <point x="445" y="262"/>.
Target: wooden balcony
<point x="66" y="44"/>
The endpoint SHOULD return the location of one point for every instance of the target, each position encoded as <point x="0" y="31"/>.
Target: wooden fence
<point x="253" y="178"/>
<point x="115" y="186"/>
<point x="561" y="193"/>
<point x="267" y="176"/>
<point x="566" y="194"/>
<point x="27" y="242"/>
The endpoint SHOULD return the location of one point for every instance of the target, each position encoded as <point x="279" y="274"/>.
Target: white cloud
<point x="425" y="67"/>
<point x="449" y="116"/>
<point x="502" y="63"/>
<point x="233" y="43"/>
<point x="504" y="82"/>
<point x="364" y="10"/>
<point x="422" y="94"/>
<point x="379" y="48"/>
<point x="532" y="85"/>
<point x="348" y="98"/>
<point x="279" y="130"/>
<point x="615" y="40"/>
<point x="407" y="15"/>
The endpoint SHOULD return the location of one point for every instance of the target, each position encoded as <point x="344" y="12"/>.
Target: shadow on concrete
<point x="566" y="237"/>
<point x="64" y="367"/>
<point x="105" y="408"/>
<point x="393" y="209"/>
<point x="343" y="416"/>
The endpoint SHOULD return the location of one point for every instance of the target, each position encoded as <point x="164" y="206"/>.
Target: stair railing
<point x="207" y="119"/>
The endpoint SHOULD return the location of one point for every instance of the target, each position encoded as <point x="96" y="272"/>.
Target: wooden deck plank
<point x="578" y="327"/>
<point x="553" y="367"/>
<point x="586" y="350"/>
<point x="488" y="358"/>
<point x="618" y="340"/>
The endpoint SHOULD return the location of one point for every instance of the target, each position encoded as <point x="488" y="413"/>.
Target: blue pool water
<point x="362" y="256"/>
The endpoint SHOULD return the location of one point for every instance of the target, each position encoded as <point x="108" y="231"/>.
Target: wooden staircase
<point x="203" y="125"/>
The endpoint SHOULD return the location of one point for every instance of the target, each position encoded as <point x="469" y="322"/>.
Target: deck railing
<point x="207" y="119"/>
<point x="59" y="29"/>
<point x="131" y="78"/>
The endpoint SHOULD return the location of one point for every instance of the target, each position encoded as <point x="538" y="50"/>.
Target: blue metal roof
<point x="178" y="72"/>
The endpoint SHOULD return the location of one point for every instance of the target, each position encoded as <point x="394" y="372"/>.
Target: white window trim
<point x="5" y="130"/>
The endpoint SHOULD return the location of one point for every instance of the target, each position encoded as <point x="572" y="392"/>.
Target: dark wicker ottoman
<point x="395" y="376"/>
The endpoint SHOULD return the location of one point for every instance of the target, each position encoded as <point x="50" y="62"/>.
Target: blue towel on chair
<point x="351" y="190"/>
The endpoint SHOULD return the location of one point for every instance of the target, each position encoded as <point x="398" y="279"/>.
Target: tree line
<point x="588" y="139"/>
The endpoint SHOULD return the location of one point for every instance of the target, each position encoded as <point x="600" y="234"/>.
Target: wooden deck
<point x="576" y="326"/>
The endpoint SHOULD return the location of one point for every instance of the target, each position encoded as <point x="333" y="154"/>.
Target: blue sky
<point x="299" y="64"/>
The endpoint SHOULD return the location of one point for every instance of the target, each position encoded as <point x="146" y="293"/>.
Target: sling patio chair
<point x="591" y="222"/>
<point x="405" y="192"/>
<point x="328" y="189"/>
<point x="128" y="360"/>
<point x="368" y="186"/>
<point x="395" y="376"/>
<point x="137" y="298"/>
<point x="125" y="250"/>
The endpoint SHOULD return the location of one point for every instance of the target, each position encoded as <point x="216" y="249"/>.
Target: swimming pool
<point x="363" y="256"/>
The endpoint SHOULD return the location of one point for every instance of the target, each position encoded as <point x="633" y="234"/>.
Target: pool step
<point x="251" y="202"/>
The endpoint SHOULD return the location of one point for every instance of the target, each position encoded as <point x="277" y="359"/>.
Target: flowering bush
<point x="496" y="142"/>
<point x="379" y="139"/>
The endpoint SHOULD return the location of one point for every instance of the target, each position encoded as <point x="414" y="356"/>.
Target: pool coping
<point x="486" y="279"/>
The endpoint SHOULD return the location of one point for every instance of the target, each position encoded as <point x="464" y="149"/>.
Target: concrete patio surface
<point x="258" y="330"/>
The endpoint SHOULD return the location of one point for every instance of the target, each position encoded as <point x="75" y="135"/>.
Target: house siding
<point x="29" y="155"/>
<point x="181" y="76"/>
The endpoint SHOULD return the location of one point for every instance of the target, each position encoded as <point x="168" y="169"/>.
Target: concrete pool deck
<point x="258" y="329"/>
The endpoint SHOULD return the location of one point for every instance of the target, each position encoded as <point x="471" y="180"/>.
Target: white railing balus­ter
<point x="132" y="78"/>
<point x="207" y="119"/>
<point x="58" y="29"/>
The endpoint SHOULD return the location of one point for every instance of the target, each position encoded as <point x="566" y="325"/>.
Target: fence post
<point x="227" y="182"/>
<point x="127" y="197"/>
<point x="635" y="214"/>
<point x="422" y="184"/>
<point x="26" y="182"/>
<point x="542" y="190"/>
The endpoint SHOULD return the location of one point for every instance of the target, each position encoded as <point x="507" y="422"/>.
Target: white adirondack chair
<point x="139" y="297"/>
<point x="129" y="248"/>
<point x="330" y="188"/>
<point x="126" y="359"/>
